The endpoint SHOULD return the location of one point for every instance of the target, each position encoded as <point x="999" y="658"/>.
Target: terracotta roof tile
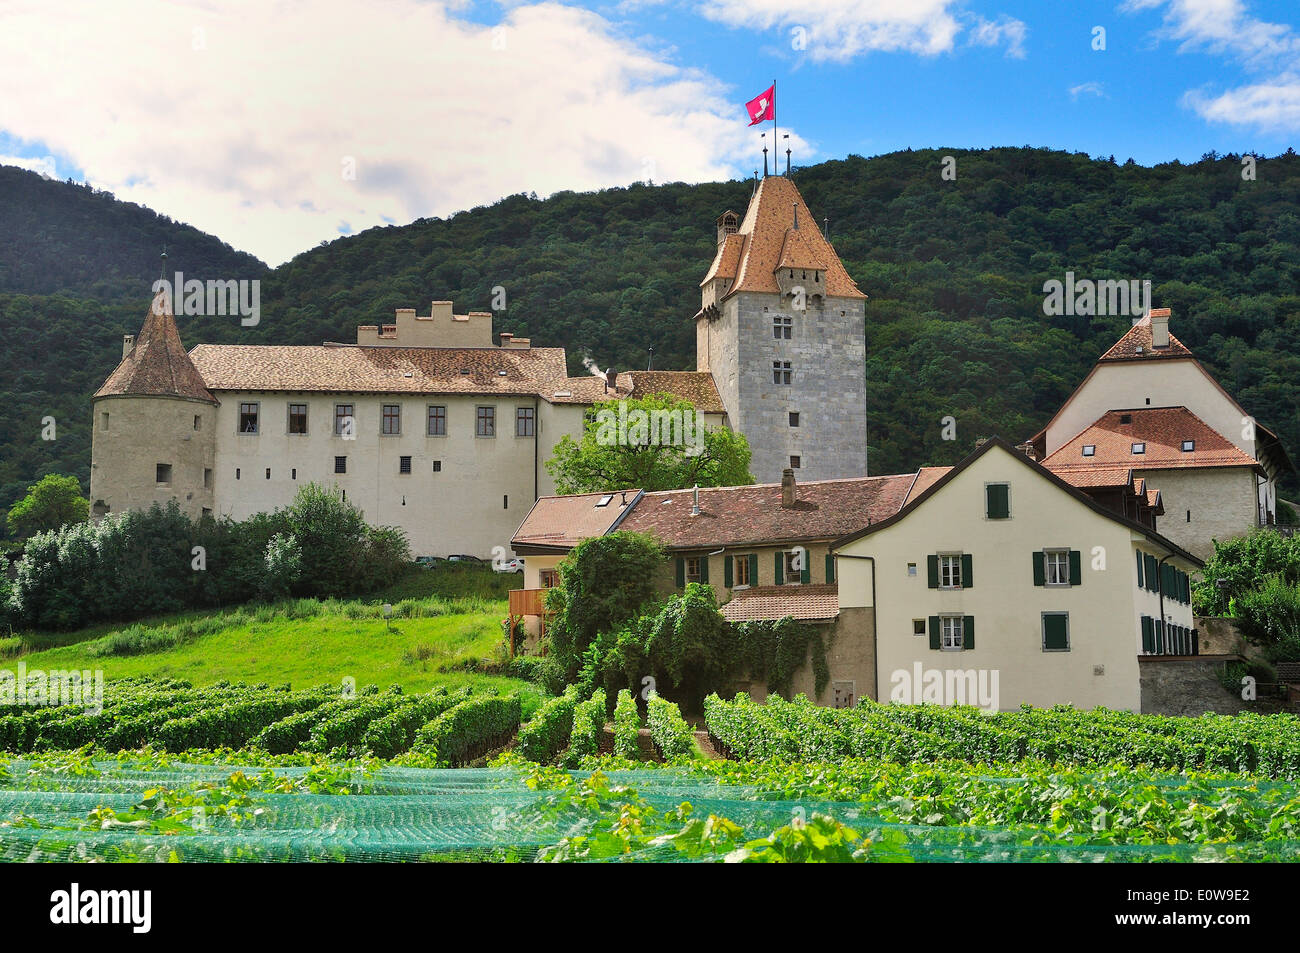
<point x="565" y="521"/>
<point x="754" y="516"/>
<point x="808" y="603"/>
<point x="1097" y="477"/>
<point x="924" y="478"/>
<point x="1161" y="431"/>
<point x="726" y="263"/>
<point x="769" y="217"/>
<point x="696" y="386"/>
<point x="157" y="365"/>
<point x="1136" y="345"/>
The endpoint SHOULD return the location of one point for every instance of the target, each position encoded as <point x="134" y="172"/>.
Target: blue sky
<point x="277" y="126"/>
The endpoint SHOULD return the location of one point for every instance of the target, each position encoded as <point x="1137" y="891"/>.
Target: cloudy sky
<point x="278" y="124"/>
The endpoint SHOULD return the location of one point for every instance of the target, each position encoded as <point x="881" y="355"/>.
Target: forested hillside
<point x="954" y="270"/>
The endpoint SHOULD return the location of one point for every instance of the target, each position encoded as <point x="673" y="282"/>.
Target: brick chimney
<point x="1159" y="327"/>
<point x="787" y="488"/>
<point x="505" y="338"/>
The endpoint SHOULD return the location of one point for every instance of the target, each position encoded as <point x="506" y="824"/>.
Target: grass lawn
<point x="443" y="618"/>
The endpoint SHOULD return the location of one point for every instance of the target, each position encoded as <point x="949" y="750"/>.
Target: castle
<point x="434" y="424"/>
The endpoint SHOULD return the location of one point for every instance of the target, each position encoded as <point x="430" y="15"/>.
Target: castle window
<point x="505" y="502"/>
<point x="293" y="474"/>
<point x="268" y="473"/>
<point x="297" y="418"/>
<point x="524" y="422"/>
<point x="344" y="424"/>
<point x="248" y="418"/>
<point x="404" y="465"/>
<point x="794" y="418"/>
<point x="781" y="372"/>
<point x="340" y="464"/>
<point x="781" y="326"/>
<point x="207" y="479"/>
<point x="485" y="422"/>
<point x="437" y="421"/>
<point x="392" y="419"/>
<point x="437" y="466"/>
<point x="163" y="473"/>
<point x="236" y="473"/>
<point x="198" y="422"/>
<point x="796" y="463"/>
<point x="103" y="420"/>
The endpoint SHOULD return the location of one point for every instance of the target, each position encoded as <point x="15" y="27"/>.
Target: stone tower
<point x="154" y="425"/>
<point x="782" y="330"/>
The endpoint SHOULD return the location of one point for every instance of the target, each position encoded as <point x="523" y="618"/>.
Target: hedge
<point x="627" y="726"/>
<point x="395" y="732"/>
<point x="588" y="720"/>
<point x="668" y="729"/>
<point x="548" y="733"/>
<point x="468" y="730"/>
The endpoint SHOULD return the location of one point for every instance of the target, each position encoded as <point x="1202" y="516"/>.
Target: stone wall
<point x="1190" y="686"/>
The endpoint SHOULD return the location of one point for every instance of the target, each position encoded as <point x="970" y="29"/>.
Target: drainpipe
<point x="537" y="436"/>
<point x="875" y="623"/>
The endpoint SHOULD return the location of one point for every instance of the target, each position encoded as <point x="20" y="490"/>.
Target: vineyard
<point x="167" y="771"/>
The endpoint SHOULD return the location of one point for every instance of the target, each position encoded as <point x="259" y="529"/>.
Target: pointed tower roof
<point x="1137" y="345"/>
<point x="157" y="366"/>
<point x="768" y="228"/>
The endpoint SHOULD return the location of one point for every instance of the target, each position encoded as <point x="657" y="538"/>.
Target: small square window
<point x="340" y="464"/>
<point x="1139" y="448"/>
<point x="911" y="569"/>
<point x="437" y="466"/>
<point x="163" y="473"/>
<point x="796" y="463"/>
<point x="248" y="418"/>
<point x="918" y="627"/>
<point x="1189" y="446"/>
<point x="1089" y="449"/>
<point x="298" y="418"/>
<point x="404" y="464"/>
<point x="794" y="418"/>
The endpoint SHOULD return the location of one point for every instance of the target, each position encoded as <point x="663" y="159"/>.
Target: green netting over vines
<point x="119" y="810"/>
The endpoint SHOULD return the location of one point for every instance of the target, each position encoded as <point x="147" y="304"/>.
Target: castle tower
<point x="154" y="428"/>
<point x="781" y="328"/>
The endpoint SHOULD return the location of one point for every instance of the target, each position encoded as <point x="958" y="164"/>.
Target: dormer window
<point x="1139" y="448"/>
<point x="1089" y="449"/>
<point x="1189" y="446"/>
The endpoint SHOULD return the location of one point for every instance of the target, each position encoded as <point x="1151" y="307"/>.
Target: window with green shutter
<point x="967" y="571"/>
<point x="1076" y="568"/>
<point x="932" y="570"/>
<point x="780" y="568"/>
<point x="1040" y="568"/>
<point x="727" y="574"/>
<point x="681" y="573"/>
<point x="934" y="632"/>
<point x="805" y="570"/>
<point x="1151" y="564"/>
<point x="997" y="501"/>
<point x="704" y="569"/>
<point x="968" y="632"/>
<point x="753" y="570"/>
<point x="830" y="568"/>
<point x="1056" y="632"/>
<point x="1148" y="634"/>
<point x="1141" y="583"/>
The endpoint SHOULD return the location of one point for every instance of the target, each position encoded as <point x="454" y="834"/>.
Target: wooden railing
<point x="527" y="602"/>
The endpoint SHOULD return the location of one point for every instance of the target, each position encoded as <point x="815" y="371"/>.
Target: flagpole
<point x="775" y="138"/>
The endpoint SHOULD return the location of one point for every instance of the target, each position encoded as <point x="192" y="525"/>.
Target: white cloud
<point x="1272" y="105"/>
<point x="45" y="165"/>
<point x="1091" y="88"/>
<point x="239" y="117"/>
<point x="839" y="30"/>
<point x="1005" y="31"/>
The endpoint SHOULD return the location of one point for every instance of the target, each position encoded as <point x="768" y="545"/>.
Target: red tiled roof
<point x="157" y="366"/>
<point x="808" y="603"/>
<point x="924" y="478"/>
<point x="565" y="521"/>
<point x="696" y="386"/>
<point x="1161" y="430"/>
<point x="727" y="260"/>
<point x="754" y="516"/>
<point x="769" y="217"/>
<point x="1097" y="477"/>
<point x="1136" y="345"/>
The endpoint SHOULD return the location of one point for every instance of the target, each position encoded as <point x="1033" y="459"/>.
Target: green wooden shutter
<point x="1056" y="636"/>
<point x="932" y="569"/>
<point x="1151" y="564"/>
<point x="1187" y="589"/>
<point x="753" y="569"/>
<point x="967" y="571"/>
<point x="997" y="501"/>
<point x="779" y="571"/>
<point x="1040" y="569"/>
<point x="805" y="572"/>
<point x="1148" y="634"/>
<point x="1160" y="636"/>
<point x="830" y="567"/>
<point x="727" y="579"/>
<point x="968" y="632"/>
<point x="1140" y="569"/>
<point x="1076" y="568"/>
<point x="681" y="573"/>
<point x="934" y="632"/>
<point x="704" y="568"/>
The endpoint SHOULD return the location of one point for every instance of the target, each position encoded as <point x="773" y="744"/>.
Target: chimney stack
<point x="1027" y="448"/>
<point x="695" y="505"/>
<point x="128" y="342"/>
<point x="506" y="337"/>
<point x="1159" y="327"/>
<point x="611" y="381"/>
<point x="787" y="488"/>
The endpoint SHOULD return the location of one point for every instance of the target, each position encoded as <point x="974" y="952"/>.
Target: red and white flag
<point x="762" y="106"/>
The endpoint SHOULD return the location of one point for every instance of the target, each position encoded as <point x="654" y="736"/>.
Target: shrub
<point x="1270" y="615"/>
<point x="548" y="733"/>
<point x="588" y="720"/>
<point x="627" y="726"/>
<point x="395" y="732"/>
<point x="468" y="730"/>
<point x="669" y="730"/>
<point x="1240" y="563"/>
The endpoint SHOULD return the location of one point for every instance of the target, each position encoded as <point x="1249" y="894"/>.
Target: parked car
<point x="508" y="565"/>
<point x="464" y="558"/>
<point x="429" y="562"/>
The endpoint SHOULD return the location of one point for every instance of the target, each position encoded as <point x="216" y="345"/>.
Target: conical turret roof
<point x="157" y="366"/>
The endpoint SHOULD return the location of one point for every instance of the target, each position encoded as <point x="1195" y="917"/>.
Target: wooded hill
<point x="954" y="269"/>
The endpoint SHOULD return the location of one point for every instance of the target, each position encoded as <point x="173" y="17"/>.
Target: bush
<point x="1270" y="615"/>
<point x="394" y="733"/>
<point x="669" y="730"/>
<point x="588" y="721"/>
<point x="627" y="726"/>
<point x="468" y="730"/>
<point x="1240" y="564"/>
<point x="548" y="733"/>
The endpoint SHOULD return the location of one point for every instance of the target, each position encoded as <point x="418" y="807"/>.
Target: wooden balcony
<point x="527" y="602"/>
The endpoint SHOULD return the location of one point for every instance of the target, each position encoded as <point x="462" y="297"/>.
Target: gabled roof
<point x="558" y="523"/>
<point x="754" y="516"/>
<point x="157" y="366"/>
<point x="798" y="252"/>
<point x="998" y="443"/>
<point x="807" y="603"/>
<point x="1160" y="430"/>
<point x="767" y="221"/>
<point x="726" y="263"/>
<point x="1136" y="345"/>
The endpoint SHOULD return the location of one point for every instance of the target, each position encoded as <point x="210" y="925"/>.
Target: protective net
<point x="122" y="811"/>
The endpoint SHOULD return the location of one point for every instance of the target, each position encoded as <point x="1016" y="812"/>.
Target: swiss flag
<point x="762" y="106"/>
